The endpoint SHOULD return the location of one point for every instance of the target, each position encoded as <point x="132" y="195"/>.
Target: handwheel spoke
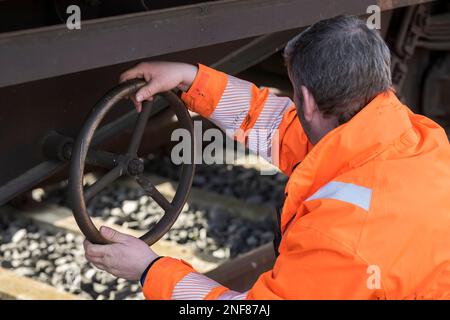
<point x="103" y="182"/>
<point x="139" y="130"/>
<point x="151" y="191"/>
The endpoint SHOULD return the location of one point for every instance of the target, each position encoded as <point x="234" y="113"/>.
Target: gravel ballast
<point x="247" y="184"/>
<point x="213" y="231"/>
<point x="57" y="258"/>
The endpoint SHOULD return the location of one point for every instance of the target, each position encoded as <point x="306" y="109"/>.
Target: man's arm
<point x="267" y="124"/>
<point x="253" y="116"/>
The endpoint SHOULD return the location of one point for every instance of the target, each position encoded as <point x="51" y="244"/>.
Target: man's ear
<point x="309" y="104"/>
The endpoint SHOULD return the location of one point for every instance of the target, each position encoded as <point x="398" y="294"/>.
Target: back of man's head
<point x="342" y="62"/>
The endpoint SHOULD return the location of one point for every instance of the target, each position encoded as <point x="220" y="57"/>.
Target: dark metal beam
<point x="51" y="51"/>
<point x="254" y="52"/>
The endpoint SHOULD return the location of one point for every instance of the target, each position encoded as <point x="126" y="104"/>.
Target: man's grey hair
<point x="342" y="62"/>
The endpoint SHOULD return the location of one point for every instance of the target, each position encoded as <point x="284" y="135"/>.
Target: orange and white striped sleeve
<point x="267" y="124"/>
<point x="173" y="279"/>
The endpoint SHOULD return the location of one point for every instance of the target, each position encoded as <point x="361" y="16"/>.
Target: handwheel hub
<point x="135" y="167"/>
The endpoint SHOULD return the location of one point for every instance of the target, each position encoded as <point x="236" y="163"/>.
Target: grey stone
<point x="60" y="261"/>
<point x="121" y="286"/>
<point x="116" y="212"/>
<point x="34" y="245"/>
<point x="62" y="268"/>
<point x="90" y="273"/>
<point x="19" y="235"/>
<point x="143" y="200"/>
<point x="255" y="199"/>
<point x="183" y="234"/>
<point x="99" y="288"/>
<point x="42" y="264"/>
<point x="129" y="206"/>
<point x="6" y="264"/>
<point x="252" y="241"/>
<point x="70" y="237"/>
<point x="15" y="263"/>
<point x="24" y="271"/>
<point x="220" y="254"/>
<point x="218" y="217"/>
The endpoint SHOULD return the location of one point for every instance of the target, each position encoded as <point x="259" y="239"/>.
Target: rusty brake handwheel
<point x="126" y="164"/>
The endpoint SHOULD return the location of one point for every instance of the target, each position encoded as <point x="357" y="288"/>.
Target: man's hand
<point x="126" y="258"/>
<point x="161" y="76"/>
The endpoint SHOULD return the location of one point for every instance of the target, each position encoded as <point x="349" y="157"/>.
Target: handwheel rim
<point x="79" y="152"/>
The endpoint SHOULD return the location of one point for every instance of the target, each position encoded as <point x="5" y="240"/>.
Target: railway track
<point x="41" y="246"/>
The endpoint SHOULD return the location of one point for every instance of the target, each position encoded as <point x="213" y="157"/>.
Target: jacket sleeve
<point x="316" y="267"/>
<point x="268" y="125"/>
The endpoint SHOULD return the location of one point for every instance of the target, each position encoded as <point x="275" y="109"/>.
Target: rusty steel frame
<point x="52" y="51"/>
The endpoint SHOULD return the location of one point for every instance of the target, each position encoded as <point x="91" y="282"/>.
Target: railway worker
<point x="367" y="209"/>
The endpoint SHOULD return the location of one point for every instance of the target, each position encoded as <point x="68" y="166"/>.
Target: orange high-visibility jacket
<point x="367" y="210"/>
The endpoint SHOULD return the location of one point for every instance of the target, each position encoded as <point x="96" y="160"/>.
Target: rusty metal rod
<point x="103" y="182"/>
<point x="98" y="158"/>
<point x="139" y="129"/>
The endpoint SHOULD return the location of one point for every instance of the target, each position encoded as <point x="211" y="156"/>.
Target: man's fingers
<point x="131" y="74"/>
<point x="137" y="105"/>
<point x="98" y="261"/>
<point x="93" y="250"/>
<point x="147" y="92"/>
<point x="138" y="71"/>
<point x="100" y="266"/>
<point x="113" y="235"/>
<point x="95" y="254"/>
